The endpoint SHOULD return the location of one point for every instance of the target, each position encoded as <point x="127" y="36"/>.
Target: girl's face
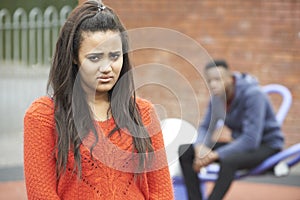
<point x="100" y="59"/>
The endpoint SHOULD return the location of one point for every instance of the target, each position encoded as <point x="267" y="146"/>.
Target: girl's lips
<point x="105" y="79"/>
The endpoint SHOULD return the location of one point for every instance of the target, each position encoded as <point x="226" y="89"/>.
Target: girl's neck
<point x="100" y="106"/>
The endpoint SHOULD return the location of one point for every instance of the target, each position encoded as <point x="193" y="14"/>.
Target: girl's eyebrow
<point x="115" y="52"/>
<point x="101" y="53"/>
<point x="95" y="54"/>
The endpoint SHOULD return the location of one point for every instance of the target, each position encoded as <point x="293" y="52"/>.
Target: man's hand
<point x="222" y="134"/>
<point x="203" y="157"/>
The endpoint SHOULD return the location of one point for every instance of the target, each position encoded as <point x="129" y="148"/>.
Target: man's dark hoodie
<point x="250" y="117"/>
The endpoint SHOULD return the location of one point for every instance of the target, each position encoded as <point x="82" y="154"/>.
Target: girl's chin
<point x="102" y="88"/>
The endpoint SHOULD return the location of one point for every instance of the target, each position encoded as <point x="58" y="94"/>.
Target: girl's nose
<point x="105" y="67"/>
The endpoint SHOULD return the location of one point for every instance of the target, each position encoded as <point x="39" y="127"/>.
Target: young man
<point x="239" y="105"/>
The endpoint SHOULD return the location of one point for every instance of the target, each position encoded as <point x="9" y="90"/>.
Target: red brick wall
<point x="259" y="37"/>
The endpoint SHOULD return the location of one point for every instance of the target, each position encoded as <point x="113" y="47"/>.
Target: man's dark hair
<point x="216" y="63"/>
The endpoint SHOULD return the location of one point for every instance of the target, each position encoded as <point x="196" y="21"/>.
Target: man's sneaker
<point x="281" y="169"/>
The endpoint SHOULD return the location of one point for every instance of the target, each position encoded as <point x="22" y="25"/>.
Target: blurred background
<point x="257" y="37"/>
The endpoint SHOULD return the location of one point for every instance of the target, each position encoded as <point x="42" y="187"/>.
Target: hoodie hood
<point x="243" y="81"/>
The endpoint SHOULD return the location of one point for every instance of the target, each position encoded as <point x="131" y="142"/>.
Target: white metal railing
<point x="29" y="38"/>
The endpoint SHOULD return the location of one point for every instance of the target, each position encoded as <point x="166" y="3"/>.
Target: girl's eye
<point x="114" y="56"/>
<point x="94" y="58"/>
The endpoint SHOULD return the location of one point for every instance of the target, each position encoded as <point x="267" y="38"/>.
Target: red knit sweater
<point x="108" y="176"/>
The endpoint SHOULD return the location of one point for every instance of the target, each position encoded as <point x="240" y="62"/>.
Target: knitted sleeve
<point x="39" y="142"/>
<point x="158" y="178"/>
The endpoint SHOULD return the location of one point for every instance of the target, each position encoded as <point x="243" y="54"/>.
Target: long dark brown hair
<point x="70" y="104"/>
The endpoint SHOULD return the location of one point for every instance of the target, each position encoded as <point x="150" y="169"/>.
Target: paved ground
<point x="240" y="190"/>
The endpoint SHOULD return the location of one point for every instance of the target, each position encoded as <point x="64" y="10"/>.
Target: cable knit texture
<point x="108" y="175"/>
